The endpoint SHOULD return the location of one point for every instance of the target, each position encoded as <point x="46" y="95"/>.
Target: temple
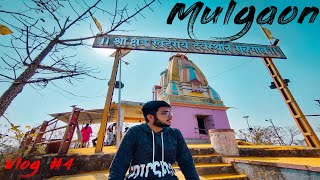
<point x="196" y="106"/>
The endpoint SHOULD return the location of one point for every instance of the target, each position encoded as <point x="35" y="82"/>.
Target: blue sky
<point x="242" y="82"/>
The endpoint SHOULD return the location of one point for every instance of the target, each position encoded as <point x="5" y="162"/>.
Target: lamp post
<point x="318" y="101"/>
<point x="249" y="128"/>
<point x="123" y="52"/>
<point x="119" y="106"/>
<point x="275" y="130"/>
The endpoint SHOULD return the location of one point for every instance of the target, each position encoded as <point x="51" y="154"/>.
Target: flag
<point x="96" y="22"/>
<point x="4" y="30"/>
<point x="267" y="32"/>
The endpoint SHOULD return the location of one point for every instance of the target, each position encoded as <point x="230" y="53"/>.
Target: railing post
<point x="39" y="136"/>
<point x="29" y="139"/>
<point x="67" y="138"/>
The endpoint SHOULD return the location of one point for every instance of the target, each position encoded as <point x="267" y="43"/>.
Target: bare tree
<point x="293" y="132"/>
<point x="268" y="135"/>
<point x="257" y="135"/>
<point x="36" y="53"/>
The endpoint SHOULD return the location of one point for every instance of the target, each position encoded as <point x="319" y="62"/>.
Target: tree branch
<point x="115" y="14"/>
<point x="20" y="14"/>
<point x="111" y="30"/>
<point x="53" y="78"/>
<point x="7" y="77"/>
<point x="137" y="12"/>
<point x="50" y="68"/>
<point x="71" y="44"/>
<point x="79" y="17"/>
<point x="52" y="14"/>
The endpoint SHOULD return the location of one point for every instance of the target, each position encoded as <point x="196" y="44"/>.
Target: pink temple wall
<point x="185" y="119"/>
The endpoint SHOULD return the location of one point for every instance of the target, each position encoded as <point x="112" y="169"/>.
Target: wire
<point x="229" y="69"/>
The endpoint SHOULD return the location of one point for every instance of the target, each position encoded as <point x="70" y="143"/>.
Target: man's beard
<point x="158" y="123"/>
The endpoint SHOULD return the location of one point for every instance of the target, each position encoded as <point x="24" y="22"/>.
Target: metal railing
<point x="34" y="138"/>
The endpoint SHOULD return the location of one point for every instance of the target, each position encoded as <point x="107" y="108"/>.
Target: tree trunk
<point x="18" y="85"/>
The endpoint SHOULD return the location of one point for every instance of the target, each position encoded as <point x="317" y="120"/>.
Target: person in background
<point x="110" y="134"/>
<point x="94" y="141"/>
<point x="86" y="132"/>
<point x="149" y="150"/>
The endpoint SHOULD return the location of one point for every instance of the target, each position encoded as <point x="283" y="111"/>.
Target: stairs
<point x="210" y="166"/>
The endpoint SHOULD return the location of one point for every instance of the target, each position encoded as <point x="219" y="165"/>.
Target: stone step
<point x="224" y="177"/>
<point x="279" y="151"/>
<point x="208" y="158"/>
<point x="197" y="141"/>
<point x="210" y="169"/>
<point x="202" y="151"/>
<point x="207" y="169"/>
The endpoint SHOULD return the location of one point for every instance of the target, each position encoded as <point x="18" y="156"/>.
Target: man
<point x="94" y="142"/>
<point x="151" y="148"/>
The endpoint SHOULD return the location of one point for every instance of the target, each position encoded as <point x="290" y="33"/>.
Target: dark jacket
<point x="151" y="155"/>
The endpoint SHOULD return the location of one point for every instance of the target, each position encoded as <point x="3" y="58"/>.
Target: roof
<point x="132" y="114"/>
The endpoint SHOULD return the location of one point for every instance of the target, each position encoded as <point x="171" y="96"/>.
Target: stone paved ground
<point x="301" y="162"/>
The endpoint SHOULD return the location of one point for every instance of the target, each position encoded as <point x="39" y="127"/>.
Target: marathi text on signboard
<point x="187" y="46"/>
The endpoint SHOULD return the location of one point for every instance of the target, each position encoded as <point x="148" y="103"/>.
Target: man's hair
<point x="152" y="107"/>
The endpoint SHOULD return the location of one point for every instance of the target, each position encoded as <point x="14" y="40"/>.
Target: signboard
<point x="187" y="46"/>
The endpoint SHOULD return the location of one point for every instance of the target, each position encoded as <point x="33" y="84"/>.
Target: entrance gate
<point x="267" y="52"/>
